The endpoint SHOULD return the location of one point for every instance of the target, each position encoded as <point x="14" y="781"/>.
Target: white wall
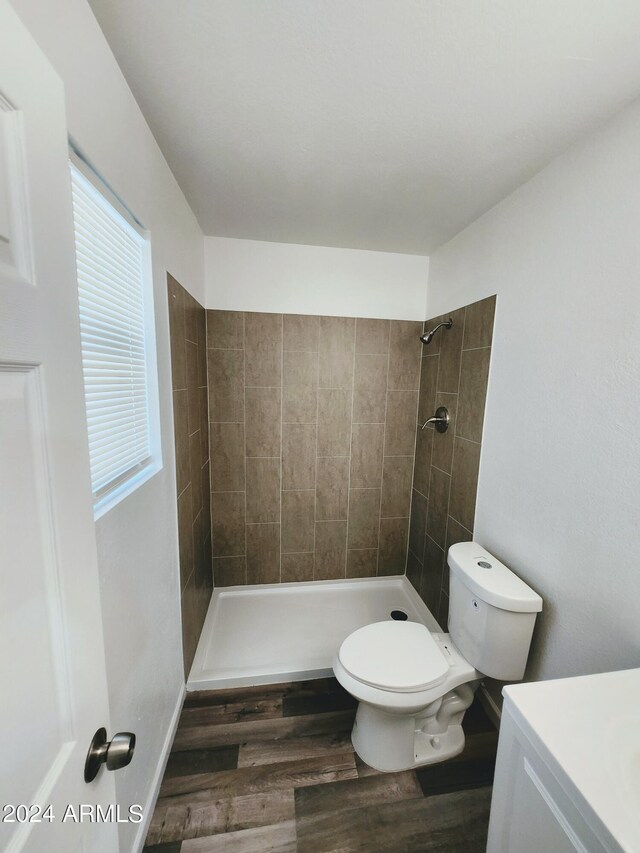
<point x="250" y="275"/>
<point x="137" y="540"/>
<point x="559" y="489"/>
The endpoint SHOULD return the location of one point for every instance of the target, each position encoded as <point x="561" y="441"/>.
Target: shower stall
<point x="272" y="633"/>
<point x="310" y="502"/>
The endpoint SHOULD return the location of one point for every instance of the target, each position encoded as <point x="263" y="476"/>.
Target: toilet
<point x="414" y="686"/>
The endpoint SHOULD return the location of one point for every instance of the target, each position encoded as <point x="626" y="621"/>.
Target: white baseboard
<point x="143" y="827"/>
<point x="488" y="703"/>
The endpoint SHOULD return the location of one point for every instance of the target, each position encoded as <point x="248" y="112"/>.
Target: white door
<point x="52" y="669"/>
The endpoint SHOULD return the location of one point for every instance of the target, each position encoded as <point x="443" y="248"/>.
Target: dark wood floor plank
<point x="293" y="749"/>
<point x="271" y="769"/>
<point x="262" y="708"/>
<point x="198" y="698"/>
<point x="181" y="818"/>
<point x="167" y="825"/>
<point x="480" y="745"/>
<point x="203" y="737"/>
<point x="202" y="761"/>
<point x="450" y="823"/>
<point x="451" y="776"/>
<point x="280" y="838"/>
<point x="476" y="719"/>
<point x="311" y="700"/>
<point x="260" y="691"/>
<point x="249" y="780"/>
<point x="364" y="770"/>
<point x="355" y="793"/>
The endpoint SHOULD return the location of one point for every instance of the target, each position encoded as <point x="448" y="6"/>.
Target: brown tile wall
<point x="454" y="373"/>
<point x="312" y="438"/>
<point x="187" y="325"/>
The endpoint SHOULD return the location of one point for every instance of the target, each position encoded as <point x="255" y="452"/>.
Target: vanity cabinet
<point x="558" y="787"/>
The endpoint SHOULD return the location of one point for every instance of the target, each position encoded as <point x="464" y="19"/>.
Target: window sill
<point x="123" y="490"/>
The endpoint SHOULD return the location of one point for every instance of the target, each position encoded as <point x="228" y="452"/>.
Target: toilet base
<point x="391" y="742"/>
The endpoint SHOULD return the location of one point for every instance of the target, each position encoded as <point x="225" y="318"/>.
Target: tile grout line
<point x="435" y="468"/>
<point x="206" y="362"/>
<point x="413" y="471"/>
<point x="453" y="455"/>
<point x="415" y="448"/>
<point x="469" y="440"/>
<point x="473" y="349"/>
<point x="460" y="524"/>
<point x="426" y="521"/>
<point x="263" y="457"/>
<point x="353" y="381"/>
<point x="438" y="545"/>
<point x="244" y="404"/>
<point x="315" y="490"/>
<point x="281" y="442"/>
<point x="384" y="443"/>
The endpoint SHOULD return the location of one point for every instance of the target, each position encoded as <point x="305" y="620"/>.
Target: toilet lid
<point x="400" y="656"/>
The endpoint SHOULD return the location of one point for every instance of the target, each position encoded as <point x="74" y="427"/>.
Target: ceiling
<point x="372" y="124"/>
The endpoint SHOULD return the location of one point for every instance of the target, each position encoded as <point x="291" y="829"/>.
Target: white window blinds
<point x="111" y="261"/>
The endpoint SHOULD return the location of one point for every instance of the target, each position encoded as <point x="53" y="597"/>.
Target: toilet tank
<point x="491" y="612"/>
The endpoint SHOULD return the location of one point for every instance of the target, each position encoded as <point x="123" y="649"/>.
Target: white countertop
<point x="589" y="726"/>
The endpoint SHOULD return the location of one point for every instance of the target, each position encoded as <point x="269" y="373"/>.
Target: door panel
<point x="16" y="259"/>
<point x="52" y="667"/>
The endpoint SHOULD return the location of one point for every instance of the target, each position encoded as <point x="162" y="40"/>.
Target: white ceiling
<point x="375" y="124"/>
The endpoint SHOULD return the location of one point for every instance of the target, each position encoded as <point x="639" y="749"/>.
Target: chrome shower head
<point x="426" y="337"/>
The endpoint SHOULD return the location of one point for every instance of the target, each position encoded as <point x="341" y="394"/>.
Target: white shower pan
<point x="273" y="633"/>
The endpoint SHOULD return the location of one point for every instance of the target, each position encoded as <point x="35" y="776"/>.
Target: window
<point x="116" y="329"/>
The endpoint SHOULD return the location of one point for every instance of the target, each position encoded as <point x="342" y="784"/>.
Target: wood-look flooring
<point x="272" y="770"/>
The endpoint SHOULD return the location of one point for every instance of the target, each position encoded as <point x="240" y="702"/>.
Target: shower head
<point x="426" y="338"/>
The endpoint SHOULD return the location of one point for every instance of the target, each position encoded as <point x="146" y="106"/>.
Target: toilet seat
<point x="402" y="657"/>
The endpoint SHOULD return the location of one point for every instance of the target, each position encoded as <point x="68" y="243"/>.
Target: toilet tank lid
<point x="491" y="580"/>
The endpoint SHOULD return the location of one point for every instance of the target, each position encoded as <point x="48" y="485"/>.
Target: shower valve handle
<point x="440" y="419"/>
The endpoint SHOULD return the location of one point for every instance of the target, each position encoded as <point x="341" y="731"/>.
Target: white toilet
<point x="413" y="686"/>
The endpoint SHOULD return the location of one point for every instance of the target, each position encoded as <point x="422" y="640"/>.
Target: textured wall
<point x="454" y="373"/>
<point x="187" y="322"/>
<point x="137" y="539"/>
<point x="312" y="429"/>
<point x="294" y="279"/>
<point x="558" y="496"/>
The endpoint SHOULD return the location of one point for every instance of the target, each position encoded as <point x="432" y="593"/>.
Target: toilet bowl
<point x="414" y="686"/>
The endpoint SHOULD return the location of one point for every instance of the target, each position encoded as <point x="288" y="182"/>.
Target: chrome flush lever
<point x="440" y="419"/>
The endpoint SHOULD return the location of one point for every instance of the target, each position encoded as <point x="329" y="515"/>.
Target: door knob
<point x="115" y="753"/>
